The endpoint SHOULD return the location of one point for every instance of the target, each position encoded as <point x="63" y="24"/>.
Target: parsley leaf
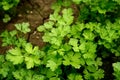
<point x="74" y="76"/>
<point x="88" y="35"/>
<point x="15" y="56"/>
<point x="73" y="59"/>
<point x="53" y="66"/>
<point x="67" y="16"/>
<point x="23" y="27"/>
<point x="31" y="61"/>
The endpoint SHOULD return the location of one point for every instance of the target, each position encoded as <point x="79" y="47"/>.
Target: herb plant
<point x="74" y="48"/>
<point x="6" y="7"/>
<point x="70" y="46"/>
<point x="116" y="69"/>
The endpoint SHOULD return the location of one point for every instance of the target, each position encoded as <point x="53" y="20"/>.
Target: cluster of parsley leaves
<point x="73" y="49"/>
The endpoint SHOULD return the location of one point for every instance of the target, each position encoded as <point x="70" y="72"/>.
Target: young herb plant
<point x="71" y="45"/>
<point x="116" y="68"/>
<point x="73" y="50"/>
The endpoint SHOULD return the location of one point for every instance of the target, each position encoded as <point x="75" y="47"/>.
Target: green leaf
<point x="67" y="3"/>
<point x="89" y="55"/>
<point x="46" y="26"/>
<point x="73" y="59"/>
<point x="97" y="75"/>
<point x="61" y="51"/>
<point x="88" y="35"/>
<point x="98" y="62"/>
<point x="88" y="47"/>
<point x="74" y="76"/>
<point x="74" y="31"/>
<point x="21" y="42"/>
<point x="82" y="47"/>
<point x="91" y="26"/>
<point x="2" y="59"/>
<point x="77" y="1"/>
<point x="102" y="11"/>
<point x="19" y="74"/>
<point x="53" y="66"/>
<point x="5" y="68"/>
<point x="63" y="31"/>
<point x="4" y="71"/>
<point x="29" y="75"/>
<point x="49" y="73"/>
<point x="67" y="16"/>
<point x="15" y="56"/>
<point x="54" y="32"/>
<point x="66" y="47"/>
<point x="92" y="68"/>
<point x="6" y="18"/>
<point x="13" y="33"/>
<point x="118" y="1"/>
<point x="90" y="61"/>
<point x="31" y="50"/>
<point x="31" y="61"/>
<point x="23" y="27"/>
<point x="79" y="26"/>
<point x="73" y="42"/>
<point x="38" y="77"/>
<point x="56" y="41"/>
<point x="56" y="6"/>
<point x="8" y="38"/>
<point x="55" y="16"/>
<point x="54" y="78"/>
<point x="46" y="37"/>
<point x="61" y="22"/>
<point x="49" y="25"/>
<point x="6" y="5"/>
<point x="116" y="66"/>
<point x="41" y="28"/>
<point x="76" y="48"/>
<point x="5" y="34"/>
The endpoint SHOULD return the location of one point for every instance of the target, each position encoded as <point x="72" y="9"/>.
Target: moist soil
<point x="36" y="12"/>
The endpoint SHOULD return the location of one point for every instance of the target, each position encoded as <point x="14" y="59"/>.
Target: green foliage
<point x="74" y="76"/>
<point x="118" y="1"/>
<point x="23" y="27"/>
<point x="12" y="38"/>
<point x="28" y="54"/>
<point x="6" y="7"/>
<point x="5" y="68"/>
<point x="6" y="18"/>
<point x="78" y="42"/>
<point x="74" y="48"/>
<point x="116" y="68"/>
<point x="72" y="45"/>
<point x="101" y="7"/>
<point x="109" y="35"/>
<point x="15" y="56"/>
<point x="24" y="74"/>
<point x="8" y="37"/>
<point x="73" y="59"/>
<point x="92" y="11"/>
<point x="20" y="58"/>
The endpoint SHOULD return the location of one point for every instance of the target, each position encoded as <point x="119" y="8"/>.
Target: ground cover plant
<point x="75" y="48"/>
<point x="6" y="8"/>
